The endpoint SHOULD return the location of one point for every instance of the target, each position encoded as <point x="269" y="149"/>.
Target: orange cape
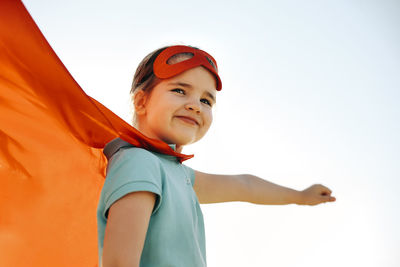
<point x="51" y="162"/>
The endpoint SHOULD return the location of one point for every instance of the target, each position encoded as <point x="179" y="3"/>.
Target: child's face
<point x="179" y="110"/>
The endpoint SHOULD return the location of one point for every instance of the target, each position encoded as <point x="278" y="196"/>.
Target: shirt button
<point x="187" y="180"/>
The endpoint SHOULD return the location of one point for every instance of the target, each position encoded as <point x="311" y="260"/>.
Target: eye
<point x="179" y="91"/>
<point x="206" y="101"/>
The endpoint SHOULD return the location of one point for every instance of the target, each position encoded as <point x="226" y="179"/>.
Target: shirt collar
<point x="173" y="146"/>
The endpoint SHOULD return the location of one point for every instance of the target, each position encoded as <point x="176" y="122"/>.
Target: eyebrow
<point x="191" y="87"/>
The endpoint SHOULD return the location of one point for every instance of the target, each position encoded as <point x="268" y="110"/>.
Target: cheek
<point x="208" y="118"/>
<point x="159" y="111"/>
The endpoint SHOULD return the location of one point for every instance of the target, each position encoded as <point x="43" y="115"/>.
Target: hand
<point x="316" y="194"/>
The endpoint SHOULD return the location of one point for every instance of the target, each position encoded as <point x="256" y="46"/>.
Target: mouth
<point x="188" y="120"/>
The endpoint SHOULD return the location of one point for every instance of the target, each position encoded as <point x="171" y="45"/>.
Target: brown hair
<point x="144" y="78"/>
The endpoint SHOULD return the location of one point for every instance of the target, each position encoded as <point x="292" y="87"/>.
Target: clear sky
<point x="311" y="94"/>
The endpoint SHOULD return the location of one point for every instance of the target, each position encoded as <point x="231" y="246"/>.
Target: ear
<point x="139" y="102"/>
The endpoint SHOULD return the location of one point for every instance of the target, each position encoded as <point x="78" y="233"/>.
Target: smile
<point x="188" y="120"/>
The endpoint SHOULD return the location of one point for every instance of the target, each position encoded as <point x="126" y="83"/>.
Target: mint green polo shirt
<point x="175" y="236"/>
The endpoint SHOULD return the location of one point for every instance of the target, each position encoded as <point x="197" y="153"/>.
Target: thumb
<point x="327" y="198"/>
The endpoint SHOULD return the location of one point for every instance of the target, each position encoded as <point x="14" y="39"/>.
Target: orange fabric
<point x="51" y="162"/>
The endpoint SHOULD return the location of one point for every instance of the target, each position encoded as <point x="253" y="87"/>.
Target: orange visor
<point x="163" y="70"/>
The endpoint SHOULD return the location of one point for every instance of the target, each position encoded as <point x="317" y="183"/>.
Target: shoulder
<point x="133" y="164"/>
<point x="134" y="156"/>
<point x="130" y="170"/>
<point x="118" y="151"/>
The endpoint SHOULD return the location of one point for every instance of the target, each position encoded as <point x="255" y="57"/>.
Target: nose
<point x="193" y="106"/>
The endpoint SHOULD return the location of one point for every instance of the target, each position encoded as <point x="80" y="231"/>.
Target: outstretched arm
<point x="214" y="188"/>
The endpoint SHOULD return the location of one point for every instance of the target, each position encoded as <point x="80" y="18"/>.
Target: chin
<point x="183" y="140"/>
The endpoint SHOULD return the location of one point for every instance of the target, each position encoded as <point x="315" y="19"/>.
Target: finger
<point x="327" y="198"/>
<point x="326" y="190"/>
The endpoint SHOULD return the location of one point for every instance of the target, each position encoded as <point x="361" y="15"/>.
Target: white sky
<point x="310" y="94"/>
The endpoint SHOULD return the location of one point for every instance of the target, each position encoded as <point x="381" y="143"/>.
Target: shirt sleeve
<point x="132" y="170"/>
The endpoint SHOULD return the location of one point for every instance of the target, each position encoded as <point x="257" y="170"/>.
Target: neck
<point x="179" y="149"/>
<point x="137" y="125"/>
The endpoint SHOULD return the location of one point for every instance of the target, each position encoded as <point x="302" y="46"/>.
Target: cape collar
<point x="116" y="144"/>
